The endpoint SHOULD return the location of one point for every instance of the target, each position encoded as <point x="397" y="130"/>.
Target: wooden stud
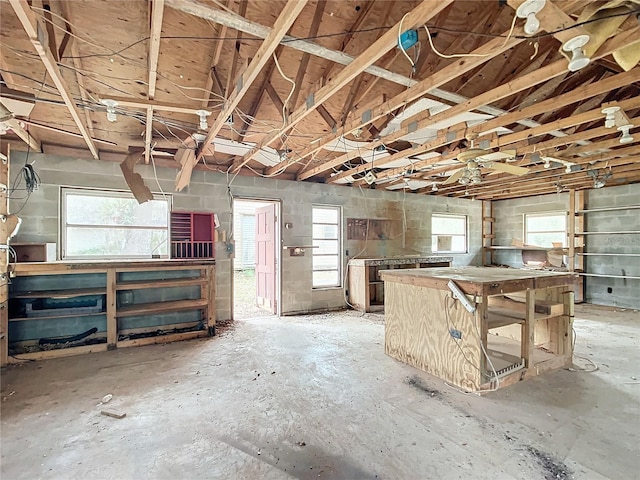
<point x="38" y="38"/>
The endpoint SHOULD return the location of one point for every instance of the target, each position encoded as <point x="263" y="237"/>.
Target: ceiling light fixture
<point x="434" y="187"/>
<point x="610" y="112"/>
<point x="547" y="163"/>
<point x="578" y="59"/>
<point x="528" y="10"/>
<point x="599" y="183"/>
<point x="568" y="169"/>
<point x="111" y="109"/>
<point x="626" y="136"/>
<point x="203" y="114"/>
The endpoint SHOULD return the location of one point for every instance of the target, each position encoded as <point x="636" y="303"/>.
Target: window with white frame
<point x="545" y="229"/>
<point x="448" y="233"/>
<point x="112" y="224"/>
<point x="326" y="223"/>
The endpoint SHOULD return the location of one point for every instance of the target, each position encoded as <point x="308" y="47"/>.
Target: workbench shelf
<point x="107" y="305"/>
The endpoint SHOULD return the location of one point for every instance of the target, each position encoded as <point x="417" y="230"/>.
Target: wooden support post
<point x="571" y="231"/>
<point x="482" y="316"/>
<point x="210" y="295"/>
<point x="4" y="260"/>
<point x="527" y="341"/>
<point x="567" y="323"/>
<point x="112" y="321"/>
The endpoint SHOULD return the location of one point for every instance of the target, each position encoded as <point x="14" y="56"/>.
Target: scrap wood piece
<point x="186" y="157"/>
<point x="114" y="414"/>
<point x="135" y="182"/>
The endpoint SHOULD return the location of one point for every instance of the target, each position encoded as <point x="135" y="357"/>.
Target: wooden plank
<point x="57" y="353"/>
<point x="287" y="16"/>
<point x="137" y="103"/>
<point x="173" y="337"/>
<point x="156" y="328"/>
<point x="519" y="308"/>
<point x="4" y="260"/>
<point x="38" y="37"/>
<point x="374" y="52"/>
<point x="155" y="31"/>
<point x="166" y="283"/>
<point x="528" y="329"/>
<point x="173" y="306"/>
<point x="113" y="414"/>
<point x="112" y="323"/>
<point x="304" y="61"/>
<point x="71" y="293"/>
<point x="418" y="321"/>
<point x="358" y="290"/>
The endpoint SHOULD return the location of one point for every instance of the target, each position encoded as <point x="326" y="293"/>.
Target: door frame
<point x="277" y="245"/>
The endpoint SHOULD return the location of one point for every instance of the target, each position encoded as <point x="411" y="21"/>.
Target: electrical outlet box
<point x="408" y="39"/>
<point x="455" y="333"/>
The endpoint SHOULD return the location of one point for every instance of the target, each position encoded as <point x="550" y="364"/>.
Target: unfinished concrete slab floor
<point x="316" y="398"/>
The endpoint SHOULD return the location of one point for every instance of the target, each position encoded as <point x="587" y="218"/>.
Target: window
<point x="448" y="233"/>
<point x="544" y="229"/>
<point x="326" y="241"/>
<point x="112" y="224"/>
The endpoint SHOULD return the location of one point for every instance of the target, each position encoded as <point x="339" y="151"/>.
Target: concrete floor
<point x="316" y="398"/>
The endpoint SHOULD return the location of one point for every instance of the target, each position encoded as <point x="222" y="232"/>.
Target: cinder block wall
<point x="208" y="193"/>
<point x="509" y="224"/>
<point x="618" y="292"/>
<point x="611" y="291"/>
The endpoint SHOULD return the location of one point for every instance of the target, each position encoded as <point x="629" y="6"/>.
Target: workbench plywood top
<point x="480" y="280"/>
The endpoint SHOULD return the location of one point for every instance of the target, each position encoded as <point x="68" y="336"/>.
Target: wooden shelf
<point x="593" y="254"/>
<point x="51" y="317"/>
<point x="165" y="283"/>
<point x="628" y="232"/>
<point x="71" y="293"/>
<point x="602" y="275"/>
<point x="513" y="247"/>
<point x="608" y="209"/>
<point x="157" y="307"/>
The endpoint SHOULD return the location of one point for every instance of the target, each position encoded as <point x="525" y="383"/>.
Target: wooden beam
<point x="158" y="106"/>
<point x="155" y="32"/>
<point x="304" y="62"/>
<point x="327" y="117"/>
<point x="288" y="15"/>
<point x="8" y="119"/>
<point x="38" y="37"/>
<point x="77" y="63"/>
<point x="423" y="12"/>
<point x="275" y="98"/>
<point x="213" y="74"/>
<point x="51" y="34"/>
<point x="233" y="65"/>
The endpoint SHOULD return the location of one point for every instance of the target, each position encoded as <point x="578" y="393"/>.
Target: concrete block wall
<point x="618" y="292"/>
<point x="509" y="221"/>
<point x="208" y="192"/>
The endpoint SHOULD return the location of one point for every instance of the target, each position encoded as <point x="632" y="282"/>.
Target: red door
<point x="266" y="258"/>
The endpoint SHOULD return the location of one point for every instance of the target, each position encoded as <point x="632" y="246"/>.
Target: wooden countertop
<point x="43" y="268"/>
<point x="480" y="280"/>
<point x="404" y="260"/>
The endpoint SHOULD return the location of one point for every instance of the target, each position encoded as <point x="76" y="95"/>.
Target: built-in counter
<point x="68" y="308"/>
<point x="366" y="289"/>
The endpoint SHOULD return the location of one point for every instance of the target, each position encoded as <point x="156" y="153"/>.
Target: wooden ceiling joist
<point x="286" y="18"/>
<point x="446" y="137"/>
<point x="7" y="118"/>
<point x="423" y="12"/>
<point x="38" y="37"/>
<point x="155" y="31"/>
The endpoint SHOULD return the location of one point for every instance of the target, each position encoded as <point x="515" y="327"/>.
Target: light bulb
<point x="111" y="109"/>
<point x="434" y="187"/>
<point x="626" y="136"/>
<point x="568" y="169"/>
<point x="578" y="59"/>
<point x="203" y="114"/>
<point x="532" y="25"/>
<point x="547" y="164"/>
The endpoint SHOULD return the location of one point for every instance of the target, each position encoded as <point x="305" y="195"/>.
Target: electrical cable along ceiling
<point x="476" y="99"/>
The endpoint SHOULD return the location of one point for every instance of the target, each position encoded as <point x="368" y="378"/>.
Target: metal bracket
<point x="311" y="99"/>
<point x="366" y="116"/>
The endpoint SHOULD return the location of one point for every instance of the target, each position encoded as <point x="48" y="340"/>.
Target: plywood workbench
<point x="522" y="323"/>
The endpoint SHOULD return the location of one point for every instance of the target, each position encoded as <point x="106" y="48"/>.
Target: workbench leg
<point x="527" y="343"/>
<point x="210" y="295"/>
<point x="482" y="317"/>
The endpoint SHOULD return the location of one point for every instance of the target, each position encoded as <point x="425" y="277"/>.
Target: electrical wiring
<point x="573" y="368"/>
<point x="400" y="32"/>
<point x="155" y="174"/>
<point x="293" y="87"/>
<point x="462" y="55"/>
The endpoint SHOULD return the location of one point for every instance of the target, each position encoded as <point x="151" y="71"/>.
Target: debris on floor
<point x="113" y="414"/>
